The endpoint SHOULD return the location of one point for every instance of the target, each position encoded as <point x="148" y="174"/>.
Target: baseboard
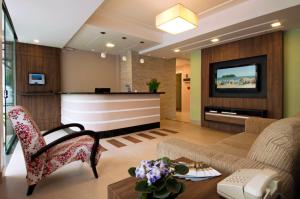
<point x="196" y="122"/>
<point x="132" y="129"/>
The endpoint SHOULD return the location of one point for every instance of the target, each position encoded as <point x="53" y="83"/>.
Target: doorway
<point x="183" y="90"/>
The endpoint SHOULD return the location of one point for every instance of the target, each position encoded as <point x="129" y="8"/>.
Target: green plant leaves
<point x="153" y="84"/>
<point x="181" y="169"/>
<point x="166" y="160"/>
<point x="142" y="186"/>
<point x="173" y="185"/>
<point x="142" y="195"/>
<point x="182" y="189"/>
<point x="159" y="184"/>
<point x="131" y="171"/>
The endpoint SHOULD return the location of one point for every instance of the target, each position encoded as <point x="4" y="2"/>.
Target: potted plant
<point x="156" y="178"/>
<point x="153" y="85"/>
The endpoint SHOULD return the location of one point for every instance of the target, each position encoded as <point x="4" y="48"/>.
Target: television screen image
<point x="241" y="77"/>
<point x="37" y="78"/>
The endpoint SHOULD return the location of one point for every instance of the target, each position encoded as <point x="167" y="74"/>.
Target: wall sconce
<point x="124" y="58"/>
<point x="142" y="61"/>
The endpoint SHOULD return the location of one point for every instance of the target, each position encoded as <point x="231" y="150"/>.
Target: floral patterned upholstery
<point x="31" y="140"/>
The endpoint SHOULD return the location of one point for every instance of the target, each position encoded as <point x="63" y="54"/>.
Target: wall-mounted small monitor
<point x="36" y="78"/>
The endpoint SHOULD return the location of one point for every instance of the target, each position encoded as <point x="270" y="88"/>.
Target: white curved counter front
<point x="100" y="112"/>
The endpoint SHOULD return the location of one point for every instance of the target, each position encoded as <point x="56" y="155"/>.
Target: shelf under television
<point x="230" y="115"/>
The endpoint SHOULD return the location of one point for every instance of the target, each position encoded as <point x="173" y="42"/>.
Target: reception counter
<point x="128" y="112"/>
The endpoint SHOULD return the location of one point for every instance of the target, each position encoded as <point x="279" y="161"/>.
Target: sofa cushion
<point x="176" y="148"/>
<point x="238" y="144"/>
<point x="255" y="125"/>
<point x="278" y="145"/>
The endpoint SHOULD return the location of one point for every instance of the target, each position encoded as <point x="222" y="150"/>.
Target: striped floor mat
<point x="123" y="141"/>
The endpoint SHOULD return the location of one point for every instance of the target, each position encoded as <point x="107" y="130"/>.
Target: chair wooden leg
<point x="95" y="171"/>
<point x="30" y="189"/>
<point x="93" y="156"/>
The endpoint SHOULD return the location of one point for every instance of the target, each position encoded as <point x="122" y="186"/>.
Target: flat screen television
<point x="239" y="77"/>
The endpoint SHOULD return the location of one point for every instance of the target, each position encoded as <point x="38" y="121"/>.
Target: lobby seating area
<point x="129" y="99"/>
<point x="266" y="143"/>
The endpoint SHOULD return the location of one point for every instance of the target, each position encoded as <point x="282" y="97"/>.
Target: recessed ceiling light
<point x="124" y="37"/>
<point x="103" y="55"/>
<point x="276" y="24"/>
<point x="142" y="42"/>
<point x="142" y="61"/>
<point x="36" y="41"/>
<point x="103" y="33"/>
<point x="176" y="50"/>
<point x="215" y="40"/>
<point x="110" y="45"/>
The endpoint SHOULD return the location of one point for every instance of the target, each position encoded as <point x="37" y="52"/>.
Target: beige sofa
<point x="266" y="143"/>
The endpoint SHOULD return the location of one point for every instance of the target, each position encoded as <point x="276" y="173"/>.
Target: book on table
<point x="199" y="171"/>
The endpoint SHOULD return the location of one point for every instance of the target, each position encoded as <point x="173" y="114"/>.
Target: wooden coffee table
<point x="124" y="189"/>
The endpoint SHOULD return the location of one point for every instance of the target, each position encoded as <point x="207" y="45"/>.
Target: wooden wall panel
<point x="41" y="100"/>
<point x="270" y="45"/>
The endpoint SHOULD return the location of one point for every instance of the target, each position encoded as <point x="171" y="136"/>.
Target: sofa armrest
<point x="256" y="125"/>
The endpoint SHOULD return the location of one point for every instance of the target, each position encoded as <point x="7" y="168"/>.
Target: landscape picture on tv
<point x="241" y="77"/>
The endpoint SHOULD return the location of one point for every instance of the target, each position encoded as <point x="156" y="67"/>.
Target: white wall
<point x="84" y="71"/>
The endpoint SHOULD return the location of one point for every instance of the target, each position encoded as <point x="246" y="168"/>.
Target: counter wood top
<point x="112" y="93"/>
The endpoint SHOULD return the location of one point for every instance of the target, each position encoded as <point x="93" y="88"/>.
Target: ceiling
<point x="52" y="22"/>
<point x="90" y="38"/>
<point x="143" y="12"/>
<point x="229" y="20"/>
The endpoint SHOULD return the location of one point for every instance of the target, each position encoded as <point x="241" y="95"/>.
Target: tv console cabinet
<point x="231" y="115"/>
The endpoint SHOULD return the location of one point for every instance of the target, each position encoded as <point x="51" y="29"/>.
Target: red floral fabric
<point x="32" y="140"/>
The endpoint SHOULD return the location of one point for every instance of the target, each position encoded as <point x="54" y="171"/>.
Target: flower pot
<point x="150" y="196"/>
<point x="152" y="90"/>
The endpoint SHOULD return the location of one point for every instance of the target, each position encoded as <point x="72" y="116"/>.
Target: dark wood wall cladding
<point x="41" y="100"/>
<point x="270" y="45"/>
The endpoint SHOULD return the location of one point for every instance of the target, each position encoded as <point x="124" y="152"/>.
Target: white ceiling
<point x="257" y="26"/>
<point x="78" y="23"/>
<point x="90" y="38"/>
<point x="145" y="11"/>
<point x="52" y="22"/>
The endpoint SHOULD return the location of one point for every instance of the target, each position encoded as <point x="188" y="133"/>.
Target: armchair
<point x="43" y="159"/>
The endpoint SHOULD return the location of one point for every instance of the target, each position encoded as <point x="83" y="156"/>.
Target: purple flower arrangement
<point x="156" y="178"/>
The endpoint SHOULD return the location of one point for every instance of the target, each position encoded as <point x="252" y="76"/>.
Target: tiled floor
<point x="76" y="180"/>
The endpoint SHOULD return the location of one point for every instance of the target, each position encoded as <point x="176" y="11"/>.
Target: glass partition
<point x="8" y="76"/>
